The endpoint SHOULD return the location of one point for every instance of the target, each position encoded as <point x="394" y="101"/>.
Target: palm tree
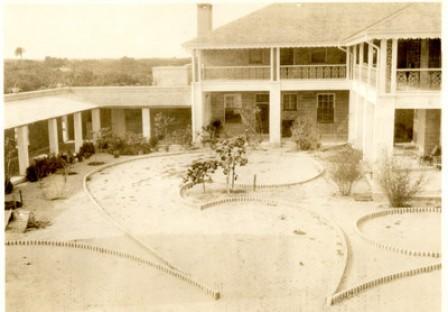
<point x="19" y="52"/>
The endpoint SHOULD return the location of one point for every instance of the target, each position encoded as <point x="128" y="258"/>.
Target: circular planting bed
<point x="274" y="169"/>
<point x="404" y="230"/>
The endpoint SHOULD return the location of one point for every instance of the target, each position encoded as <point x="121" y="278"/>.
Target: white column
<point x="382" y="67"/>
<point x="77" y="124"/>
<point x="146" y="123"/>
<point x="96" y="123"/>
<point x="369" y="62"/>
<point x="193" y="66"/>
<point x="383" y="129"/>
<point x="361" y="59"/>
<point x="277" y="63"/>
<point x="272" y="59"/>
<point x="22" y="149"/>
<point x="118" y="121"/>
<point x="64" y="123"/>
<point x="352" y="118"/>
<point x="200" y="65"/>
<point x="53" y="136"/>
<point x="197" y="111"/>
<point x="275" y="115"/>
<point x="393" y="70"/>
<point x="347" y="63"/>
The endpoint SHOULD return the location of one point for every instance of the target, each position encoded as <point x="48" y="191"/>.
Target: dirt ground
<point x="262" y="258"/>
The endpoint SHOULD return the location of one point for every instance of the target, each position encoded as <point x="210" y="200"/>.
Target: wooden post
<point x="393" y="70"/>
<point x="22" y="149"/>
<point x="53" y="136"/>
<point x="146" y="123"/>
<point x="77" y="123"/>
<point x="382" y="67"/>
<point x="96" y="123"/>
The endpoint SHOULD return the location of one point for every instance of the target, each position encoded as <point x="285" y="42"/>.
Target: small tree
<point x="200" y="172"/>
<point x="305" y="133"/>
<point x="346" y="169"/>
<point x="397" y="182"/>
<point x="231" y="153"/>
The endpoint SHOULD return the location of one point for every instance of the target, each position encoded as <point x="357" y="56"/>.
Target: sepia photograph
<point x="222" y="156"/>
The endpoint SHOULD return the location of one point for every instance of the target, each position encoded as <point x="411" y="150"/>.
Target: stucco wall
<point x="167" y="76"/>
<point x="236" y="57"/>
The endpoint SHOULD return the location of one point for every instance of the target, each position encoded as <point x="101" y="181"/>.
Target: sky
<point x="107" y="30"/>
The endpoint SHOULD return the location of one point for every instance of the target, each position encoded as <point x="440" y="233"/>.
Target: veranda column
<point x="382" y="67"/>
<point x="361" y="60"/>
<point x="383" y="125"/>
<point x="275" y="115"/>
<point x="272" y="63"/>
<point x="53" y="136"/>
<point x="369" y="63"/>
<point x="64" y="123"/>
<point x="393" y="71"/>
<point x="96" y="123"/>
<point x="197" y="110"/>
<point x="77" y="124"/>
<point x="146" y="123"/>
<point x="352" y="117"/>
<point x="22" y="149"/>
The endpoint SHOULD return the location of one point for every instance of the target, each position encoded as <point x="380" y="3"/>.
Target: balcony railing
<point x="334" y="71"/>
<point x="261" y="72"/>
<point x="419" y="79"/>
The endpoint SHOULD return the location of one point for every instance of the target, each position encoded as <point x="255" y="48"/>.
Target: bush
<point x="305" y="133"/>
<point x="40" y="168"/>
<point x="87" y="149"/>
<point x="397" y="183"/>
<point x="346" y="169"/>
<point x="199" y="173"/>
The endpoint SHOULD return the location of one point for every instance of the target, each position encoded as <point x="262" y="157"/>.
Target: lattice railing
<point x="313" y="71"/>
<point x="261" y="72"/>
<point x="419" y="79"/>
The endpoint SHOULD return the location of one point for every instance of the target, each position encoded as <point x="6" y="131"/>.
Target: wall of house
<point x="302" y="56"/>
<point x="182" y="119"/>
<point x="167" y="76"/>
<point x="426" y="129"/>
<point x="235" y="57"/>
<point x="307" y="106"/>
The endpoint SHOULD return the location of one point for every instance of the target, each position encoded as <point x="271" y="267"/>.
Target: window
<point x="325" y="107"/>
<point x="262" y="98"/>
<point x="256" y="56"/>
<point x="287" y="56"/>
<point x="232" y="106"/>
<point x="290" y="102"/>
<point x="318" y="56"/>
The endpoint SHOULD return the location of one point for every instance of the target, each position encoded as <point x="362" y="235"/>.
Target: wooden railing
<point x="261" y="72"/>
<point x="419" y="79"/>
<point x="333" y="71"/>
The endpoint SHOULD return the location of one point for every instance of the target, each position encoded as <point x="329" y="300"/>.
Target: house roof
<point x="29" y="110"/>
<point x="28" y="107"/>
<point x="419" y="20"/>
<point x="318" y="24"/>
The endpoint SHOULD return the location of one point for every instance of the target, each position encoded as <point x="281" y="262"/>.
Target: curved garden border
<point x="117" y="224"/>
<point x="405" y="251"/>
<point x="337" y="228"/>
<point x="352" y="291"/>
<point x="70" y="244"/>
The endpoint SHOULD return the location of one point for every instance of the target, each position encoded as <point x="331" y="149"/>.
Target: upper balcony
<point x="260" y="64"/>
<point x="410" y="65"/>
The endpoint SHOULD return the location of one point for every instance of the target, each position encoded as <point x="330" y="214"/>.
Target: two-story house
<point x="364" y="72"/>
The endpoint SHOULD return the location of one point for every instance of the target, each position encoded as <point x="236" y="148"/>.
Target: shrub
<point x="210" y="133"/>
<point x="87" y="149"/>
<point x="40" y="168"/>
<point x="305" y="133"/>
<point x="153" y="142"/>
<point x="397" y="183"/>
<point x="199" y="172"/>
<point x="346" y="169"/>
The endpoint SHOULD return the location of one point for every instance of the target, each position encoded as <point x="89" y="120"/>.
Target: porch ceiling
<point x="23" y="112"/>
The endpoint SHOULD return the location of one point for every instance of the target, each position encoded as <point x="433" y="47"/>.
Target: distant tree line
<point x="22" y="75"/>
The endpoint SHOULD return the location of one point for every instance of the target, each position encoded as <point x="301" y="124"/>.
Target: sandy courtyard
<point x="260" y="257"/>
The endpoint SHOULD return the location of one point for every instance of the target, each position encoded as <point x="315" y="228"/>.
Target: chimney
<point x="204" y="22"/>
